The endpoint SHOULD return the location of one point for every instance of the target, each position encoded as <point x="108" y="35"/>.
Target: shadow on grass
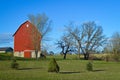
<point x="28" y="68"/>
<point x="68" y="72"/>
<point x="99" y="70"/>
<point x="74" y="72"/>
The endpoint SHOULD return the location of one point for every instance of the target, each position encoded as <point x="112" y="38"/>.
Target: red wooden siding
<point x="22" y="39"/>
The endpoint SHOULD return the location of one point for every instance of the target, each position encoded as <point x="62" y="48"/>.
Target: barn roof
<point x="5" y="48"/>
<point x="19" y="28"/>
<point x="23" y="24"/>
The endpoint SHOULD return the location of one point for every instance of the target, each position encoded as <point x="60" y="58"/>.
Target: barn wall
<point x="19" y="54"/>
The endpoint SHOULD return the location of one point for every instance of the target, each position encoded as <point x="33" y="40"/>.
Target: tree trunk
<point x="36" y="54"/>
<point x="79" y="53"/>
<point x="64" y="56"/>
<point x="86" y="56"/>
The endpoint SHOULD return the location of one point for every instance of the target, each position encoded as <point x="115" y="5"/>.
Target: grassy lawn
<point x="69" y="70"/>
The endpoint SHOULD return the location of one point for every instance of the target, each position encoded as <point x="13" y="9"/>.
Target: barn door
<point x="27" y="54"/>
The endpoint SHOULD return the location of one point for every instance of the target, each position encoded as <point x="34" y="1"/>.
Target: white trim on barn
<point x="33" y="54"/>
<point x="21" y="53"/>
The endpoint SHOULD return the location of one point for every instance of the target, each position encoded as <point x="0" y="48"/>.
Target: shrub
<point x="116" y="57"/>
<point x="107" y="58"/>
<point x="89" y="66"/>
<point x="42" y="56"/>
<point x="14" y="64"/>
<point x="95" y="57"/>
<point x="53" y="66"/>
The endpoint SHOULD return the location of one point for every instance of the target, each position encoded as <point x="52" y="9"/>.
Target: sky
<point x="15" y="12"/>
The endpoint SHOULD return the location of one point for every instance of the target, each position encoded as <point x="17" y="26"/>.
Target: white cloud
<point x="6" y="39"/>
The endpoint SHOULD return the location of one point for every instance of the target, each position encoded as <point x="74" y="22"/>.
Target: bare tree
<point x="94" y="38"/>
<point x="65" y="44"/>
<point x="35" y="39"/>
<point x="43" y="25"/>
<point x="114" y="47"/>
<point x="89" y="37"/>
<point x="78" y="34"/>
<point x="113" y="43"/>
<point x="115" y="40"/>
<point x="42" y="22"/>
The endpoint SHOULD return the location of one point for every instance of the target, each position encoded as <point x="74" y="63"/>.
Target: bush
<point x="116" y="57"/>
<point x="95" y="57"/>
<point x="14" y="64"/>
<point x="107" y="58"/>
<point x="53" y="66"/>
<point x="42" y="56"/>
<point x="89" y="66"/>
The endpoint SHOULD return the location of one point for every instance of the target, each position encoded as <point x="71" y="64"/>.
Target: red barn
<point x="26" y="40"/>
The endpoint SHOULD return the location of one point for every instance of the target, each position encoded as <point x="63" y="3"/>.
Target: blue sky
<point x="14" y="12"/>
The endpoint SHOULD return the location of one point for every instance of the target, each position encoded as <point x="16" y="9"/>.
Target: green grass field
<point x="70" y="69"/>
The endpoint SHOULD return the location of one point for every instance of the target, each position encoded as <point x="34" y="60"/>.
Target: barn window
<point x="27" y="25"/>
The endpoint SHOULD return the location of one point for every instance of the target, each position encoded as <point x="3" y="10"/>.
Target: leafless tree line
<point x="87" y="38"/>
